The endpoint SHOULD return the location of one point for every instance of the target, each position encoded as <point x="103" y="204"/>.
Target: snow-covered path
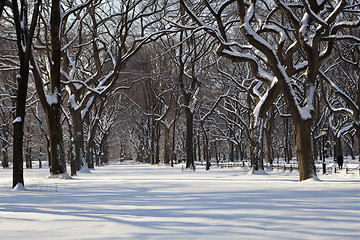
<point x="158" y="202"/>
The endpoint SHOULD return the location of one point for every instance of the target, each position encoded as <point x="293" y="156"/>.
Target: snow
<point x="305" y="31"/>
<point x="52" y="98"/>
<point x="18" y="188"/>
<point x="18" y="119"/>
<point x="158" y="202"/>
<point x="73" y="103"/>
<point x="88" y="105"/>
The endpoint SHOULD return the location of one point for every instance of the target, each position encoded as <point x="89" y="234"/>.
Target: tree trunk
<point x="303" y="149"/>
<point x="28" y="155"/>
<point x="71" y="154"/>
<point x="268" y="147"/>
<point x="216" y="152"/>
<point x="157" y="148"/>
<point x="338" y="148"/>
<point x="287" y="154"/>
<point x="206" y="153"/>
<point x="5" y="157"/>
<point x="189" y="139"/>
<point x="78" y="141"/>
<point x="237" y="156"/>
<point x="53" y="113"/>
<point x="231" y="155"/>
<point x="57" y="153"/>
<point x="104" y="150"/>
<point x="18" y="170"/>
<point x="206" y="148"/>
<point x="173" y="157"/>
<point x="269" y="153"/>
<point x="257" y="145"/>
<point x="199" y="148"/>
<point x="315" y="152"/>
<point x="358" y="138"/>
<point x="90" y="150"/>
<point x="151" y="126"/>
<point x="195" y="150"/>
<point x="167" y="146"/>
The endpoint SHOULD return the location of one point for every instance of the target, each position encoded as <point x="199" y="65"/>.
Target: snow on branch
<point x="341" y="93"/>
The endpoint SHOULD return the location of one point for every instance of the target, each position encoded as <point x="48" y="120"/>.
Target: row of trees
<point x="180" y="78"/>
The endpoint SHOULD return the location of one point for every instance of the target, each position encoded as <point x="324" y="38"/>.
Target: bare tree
<point x="24" y="36"/>
<point x="285" y="56"/>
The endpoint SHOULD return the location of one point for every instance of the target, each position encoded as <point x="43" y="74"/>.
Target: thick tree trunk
<point x="57" y="153"/>
<point x="71" y="155"/>
<point x="206" y="147"/>
<point x="231" y="153"/>
<point x="315" y="152"/>
<point x="157" y="147"/>
<point x="358" y="137"/>
<point x="257" y="145"/>
<point x="173" y="157"/>
<point x="303" y="150"/>
<point x="199" y="148"/>
<point x="189" y="139"/>
<point x="53" y="113"/>
<point x="287" y="150"/>
<point x="216" y="152"/>
<point x="237" y="156"/>
<point x="18" y="170"/>
<point x="268" y="147"/>
<point x="104" y="150"/>
<point x="195" y="150"/>
<point x="5" y="157"/>
<point x="78" y="141"/>
<point x="90" y="150"/>
<point x="28" y="155"/>
<point x="269" y="153"/>
<point x="167" y="146"/>
<point x="338" y="148"/>
<point x="206" y="151"/>
<point x="151" y="127"/>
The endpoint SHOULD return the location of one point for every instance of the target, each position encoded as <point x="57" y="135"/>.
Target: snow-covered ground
<point x="158" y="202"/>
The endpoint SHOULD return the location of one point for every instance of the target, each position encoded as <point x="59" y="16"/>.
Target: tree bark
<point x="28" y="155"/>
<point x="216" y="152"/>
<point x="206" y="148"/>
<point x="303" y="149"/>
<point x="57" y="153"/>
<point x="167" y="146"/>
<point x="268" y="147"/>
<point x="18" y="172"/>
<point x="338" y="148"/>
<point x="157" y="147"/>
<point x="231" y="155"/>
<point x="199" y="148"/>
<point x="78" y="141"/>
<point x="24" y="42"/>
<point x="257" y="145"/>
<point x="5" y="157"/>
<point x="189" y="139"/>
<point x="53" y="109"/>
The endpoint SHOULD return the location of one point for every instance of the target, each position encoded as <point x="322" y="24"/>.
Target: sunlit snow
<point x="158" y="202"/>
